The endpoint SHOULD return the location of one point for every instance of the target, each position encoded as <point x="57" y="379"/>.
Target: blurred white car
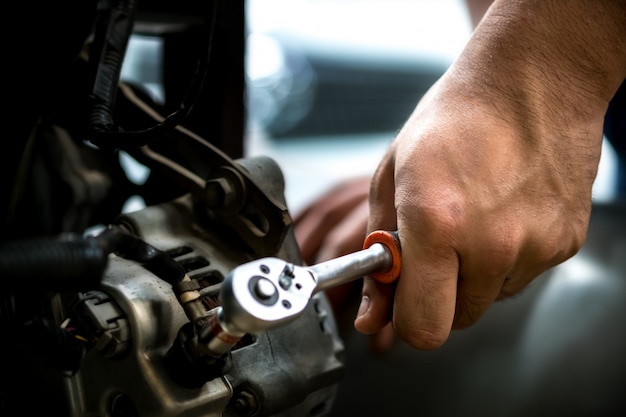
<point x="319" y="67"/>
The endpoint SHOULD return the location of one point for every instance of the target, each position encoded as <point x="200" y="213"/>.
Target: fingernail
<point x="364" y="307"/>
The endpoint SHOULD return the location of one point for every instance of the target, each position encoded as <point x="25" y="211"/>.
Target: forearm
<point x="563" y="57"/>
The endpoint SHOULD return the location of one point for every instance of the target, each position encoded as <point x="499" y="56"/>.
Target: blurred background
<point x="330" y="82"/>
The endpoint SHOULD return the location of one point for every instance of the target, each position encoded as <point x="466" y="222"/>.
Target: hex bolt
<point x="245" y="403"/>
<point x="122" y="406"/>
<point x="216" y="191"/>
<point x="226" y="191"/>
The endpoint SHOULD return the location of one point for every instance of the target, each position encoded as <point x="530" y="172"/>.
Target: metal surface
<point x="270" y="292"/>
<point x="293" y="370"/>
<point x="347" y="268"/>
<point x="123" y="339"/>
<point x="223" y="185"/>
<point x="308" y="366"/>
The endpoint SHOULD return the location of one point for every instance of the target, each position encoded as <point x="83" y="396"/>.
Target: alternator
<point x="141" y="363"/>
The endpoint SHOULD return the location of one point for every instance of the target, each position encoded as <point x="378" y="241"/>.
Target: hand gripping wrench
<point x="269" y="292"/>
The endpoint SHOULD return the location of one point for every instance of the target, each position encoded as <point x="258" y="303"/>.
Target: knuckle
<point x="440" y="221"/>
<point x="513" y="287"/>
<point x="469" y="309"/>
<point x="425" y="336"/>
<point x="561" y="244"/>
<point x="567" y="239"/>
<point x="505" y="245"/>
<point x="578" y="237"/>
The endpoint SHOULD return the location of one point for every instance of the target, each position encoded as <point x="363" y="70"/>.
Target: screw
<point x="122" y="406"/>
<point x="216" y="191"/>
<point x="245" y="403"/>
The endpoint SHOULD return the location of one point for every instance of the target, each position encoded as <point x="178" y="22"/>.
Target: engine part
<point x="105" y="325"/>
<point x="155" y="373"/>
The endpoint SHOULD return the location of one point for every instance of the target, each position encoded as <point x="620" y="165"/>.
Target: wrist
<point x="556" y="65"/>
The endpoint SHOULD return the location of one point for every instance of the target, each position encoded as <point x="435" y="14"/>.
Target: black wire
<point x="111" y="138"/>
<point x="129" y="246"/>
<point x="74" y="262"/>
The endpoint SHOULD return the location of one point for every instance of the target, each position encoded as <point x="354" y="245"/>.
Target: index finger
<point x="422" y="304"/>
<point x="377" y="298"/>
<point x="425" y="297"/>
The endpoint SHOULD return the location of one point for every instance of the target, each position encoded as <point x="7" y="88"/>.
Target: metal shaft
<point x="349" y="267"/>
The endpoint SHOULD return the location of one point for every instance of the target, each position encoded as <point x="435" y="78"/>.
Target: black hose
<point x="113" y="31"/>
<point x="74" y="262"/>
<point x="132" y="247"/>
<point x="68" y="262"/>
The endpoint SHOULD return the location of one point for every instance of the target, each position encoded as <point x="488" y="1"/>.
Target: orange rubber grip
<point x="392" y="242"/>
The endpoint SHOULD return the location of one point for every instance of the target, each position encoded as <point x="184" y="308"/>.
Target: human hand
<point x="480" y="211"/>
<point x="489" y="181"/>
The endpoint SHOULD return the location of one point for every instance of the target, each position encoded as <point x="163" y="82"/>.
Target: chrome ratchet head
<point x="263" y="294"/>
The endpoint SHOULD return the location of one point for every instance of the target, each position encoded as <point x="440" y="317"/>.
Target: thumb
<point x="377" y="298"/>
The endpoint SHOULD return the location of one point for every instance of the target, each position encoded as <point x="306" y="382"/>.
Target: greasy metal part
<point x="215" y="339"/>
<point x="226" y="190"/>
<point x="107" y="321"/>
<point x="295" y="368"/>
<point x="223" y="185"/>
<point x="188" y="293"/>
<point x="154" y="317"/>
